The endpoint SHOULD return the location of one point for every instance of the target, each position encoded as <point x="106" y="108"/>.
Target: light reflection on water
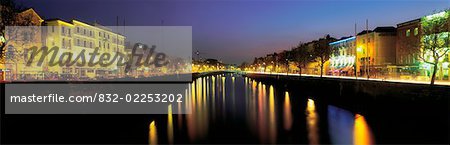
<point x="213" y="98"/>
<point x="312" y="122"/>
<point x="362" y="133"/>
<point x="348" y="128"/>
<point x="287" y="115"/>
<point x="169" y="124"/>
<point x="152" y="134"/>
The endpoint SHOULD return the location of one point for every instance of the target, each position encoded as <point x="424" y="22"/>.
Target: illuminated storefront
<point x="342" y="59"/>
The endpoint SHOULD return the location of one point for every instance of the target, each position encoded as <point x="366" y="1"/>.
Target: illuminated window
<point x="416" y="31"/>
<point x="408" y="32"/>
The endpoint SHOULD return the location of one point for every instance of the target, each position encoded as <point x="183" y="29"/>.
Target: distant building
<point x="376" y="50"/>
<point x="76" y="36"/>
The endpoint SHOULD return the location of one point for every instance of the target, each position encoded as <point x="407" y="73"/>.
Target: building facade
<point x="76" y="37"/>
<point x="409" y="42"/>
<point x="343" y="55"/>
<point x="73" y="37"/>
<point x="376" y="51"/>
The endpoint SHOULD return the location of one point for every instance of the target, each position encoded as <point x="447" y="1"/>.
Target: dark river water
<point x="229" y="108"/>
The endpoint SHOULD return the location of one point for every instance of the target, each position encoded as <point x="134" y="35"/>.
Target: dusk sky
<point x="235" y="31"/>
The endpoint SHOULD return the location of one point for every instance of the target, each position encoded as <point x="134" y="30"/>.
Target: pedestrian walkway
<point x="444" y="83"/>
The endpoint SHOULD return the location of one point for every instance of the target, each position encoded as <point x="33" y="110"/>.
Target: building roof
<point x="408" y="22"/>
<point x="364" y="32"/>
<point x="95" y="25"/>
<point x="342" y="40"/>
<point x="32" y="11"/>
<point x="379" y="29"/>
<point x="385" y="29"/>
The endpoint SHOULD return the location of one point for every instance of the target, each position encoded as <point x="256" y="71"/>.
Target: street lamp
<point x="287" y="66"/>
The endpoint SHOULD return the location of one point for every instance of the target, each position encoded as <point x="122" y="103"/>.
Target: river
<point x="229" y="108"/>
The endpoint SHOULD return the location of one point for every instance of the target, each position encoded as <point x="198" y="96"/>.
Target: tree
<point x="11" y="32"/>
<point x="8" y="15"/>
<point x="302" y="56"/>
<point x="322" y="51"/>
<point x="434" y="44"/>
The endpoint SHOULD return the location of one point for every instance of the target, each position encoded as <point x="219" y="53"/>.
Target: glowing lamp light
<point x="359" y="49"/>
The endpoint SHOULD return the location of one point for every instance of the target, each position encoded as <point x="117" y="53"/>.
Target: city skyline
<point x="252" y="28"/>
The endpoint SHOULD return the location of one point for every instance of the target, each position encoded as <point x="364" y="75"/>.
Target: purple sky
<point x="236" y="31"/>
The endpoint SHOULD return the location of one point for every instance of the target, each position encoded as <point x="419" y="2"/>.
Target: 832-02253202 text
<point x="99" y="98"/>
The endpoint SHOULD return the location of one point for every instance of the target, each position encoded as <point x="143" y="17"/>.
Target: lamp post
<point x="356" y="56"/>
<point x="367" y="49"/>
<point x="271" y="68"/>
<point x="287" y="66"/>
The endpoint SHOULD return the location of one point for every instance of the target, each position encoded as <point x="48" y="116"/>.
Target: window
<point x="84" y="31"/>
<point x="10" y="53"/>
<point x="70" y="42"/>
<point x="408" y="32"/>
<point x="62" y="30"/>
<point x="90" y="33"/>
<point x="99" y="44"/>
<point x="53" y="28"/>
<point x="25" y="54"/>
<point x="63" y="43"/>
<point x="69" y="31"/>
<point x="90" y="44"/>
<point x="78" y="30"/>
<point x="84" y="44"/>
<point x="108" y="45"/>
<point x="26" y="36"/>
<point x="99" y="34"/>
<point x="78" y="42"/>
<point x="416" y="31"/>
